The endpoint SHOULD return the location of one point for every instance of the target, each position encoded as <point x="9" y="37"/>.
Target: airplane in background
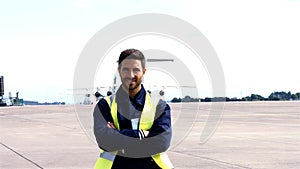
<point x="86" y="93"/>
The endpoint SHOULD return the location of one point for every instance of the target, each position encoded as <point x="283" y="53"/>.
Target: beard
<point x="131" y="84"/>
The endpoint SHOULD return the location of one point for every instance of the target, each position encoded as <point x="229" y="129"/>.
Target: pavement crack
<point x="22" y="156"/>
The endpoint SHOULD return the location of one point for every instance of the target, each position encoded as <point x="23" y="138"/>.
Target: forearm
<point x="159" y="137"/>
<point x="111" y="139"/>
<point x="150" y="146"/>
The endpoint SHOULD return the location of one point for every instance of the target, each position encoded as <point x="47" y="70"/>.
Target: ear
<point x="144" y="71"/>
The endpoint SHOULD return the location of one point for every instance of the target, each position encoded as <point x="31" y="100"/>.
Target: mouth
<point x="130" y="82"/>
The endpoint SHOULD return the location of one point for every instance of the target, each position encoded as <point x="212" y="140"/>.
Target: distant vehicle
<point x="8" y="102"/>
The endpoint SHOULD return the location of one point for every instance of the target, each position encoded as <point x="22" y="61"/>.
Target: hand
<point x="146" y="133"/>
<point x="111" y="125"/>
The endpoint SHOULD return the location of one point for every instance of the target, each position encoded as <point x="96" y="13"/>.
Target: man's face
<point x="131" y="73"/>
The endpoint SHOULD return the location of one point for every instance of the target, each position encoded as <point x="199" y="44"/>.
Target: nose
<point x="131" y="74"/>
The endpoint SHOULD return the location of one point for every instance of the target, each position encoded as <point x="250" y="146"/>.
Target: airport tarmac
<point x="249" y="135"/>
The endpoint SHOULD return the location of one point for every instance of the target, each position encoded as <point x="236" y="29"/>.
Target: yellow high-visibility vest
<point x="106" y="159"/>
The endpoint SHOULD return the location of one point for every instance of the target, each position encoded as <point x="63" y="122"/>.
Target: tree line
<point x="274" y="96"/>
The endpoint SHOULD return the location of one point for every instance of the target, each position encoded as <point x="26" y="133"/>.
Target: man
<point x="131" y="129"/>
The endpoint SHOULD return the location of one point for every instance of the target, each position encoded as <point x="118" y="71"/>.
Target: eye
<point x="125" y="70"/>
<point x="136" y="70"/>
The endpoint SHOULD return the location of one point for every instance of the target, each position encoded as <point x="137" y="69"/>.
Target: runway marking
<point x="22" y="156"/>
<point x="214" y="160"/>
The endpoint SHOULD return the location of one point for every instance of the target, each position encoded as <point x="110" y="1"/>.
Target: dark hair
<point x="132" y="54"/>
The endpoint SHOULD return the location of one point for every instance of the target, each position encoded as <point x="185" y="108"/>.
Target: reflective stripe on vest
<point x="108" y="155"/>
<point x="105" y="161"/>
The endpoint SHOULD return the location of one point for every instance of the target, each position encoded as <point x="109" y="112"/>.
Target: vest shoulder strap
<point x="109" y="99"/>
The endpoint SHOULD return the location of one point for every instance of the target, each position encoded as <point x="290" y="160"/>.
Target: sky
<point x="257" y="42"/>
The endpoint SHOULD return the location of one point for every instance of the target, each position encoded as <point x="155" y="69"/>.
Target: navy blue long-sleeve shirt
<point x="136" y="152"/>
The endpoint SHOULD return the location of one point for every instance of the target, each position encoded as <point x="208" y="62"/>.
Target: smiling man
<point x="131" y="70"/>
<point x="132" y="130"/>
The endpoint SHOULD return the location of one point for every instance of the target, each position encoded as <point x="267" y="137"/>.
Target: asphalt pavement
<point x="237" y="135"/>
